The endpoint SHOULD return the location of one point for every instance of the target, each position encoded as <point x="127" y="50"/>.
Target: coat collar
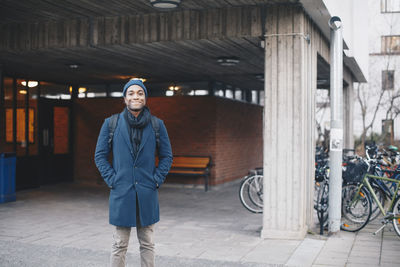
<point x="146" y="133"/>
<point x="124" y="131"/>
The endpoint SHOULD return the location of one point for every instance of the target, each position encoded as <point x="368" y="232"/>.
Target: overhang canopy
<point x="112" y="41"/>
<point x="109" y="43"/>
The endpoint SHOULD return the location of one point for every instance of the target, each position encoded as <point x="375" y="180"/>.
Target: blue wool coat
<point x="131" y="176"/>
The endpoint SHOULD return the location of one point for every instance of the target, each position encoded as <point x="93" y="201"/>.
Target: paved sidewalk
<point x="67" y="225"/>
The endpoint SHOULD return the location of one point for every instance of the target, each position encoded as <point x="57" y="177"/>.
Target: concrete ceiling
<point x="35" y="10"/>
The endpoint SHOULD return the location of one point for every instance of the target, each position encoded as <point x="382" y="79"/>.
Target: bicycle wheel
<point x="356" y="208"/>
<point x="322" y="204"/>
<point x="255" y="191"/>
<point x="382" y="199"/>
<point x="317" y="188"/>
<point x="396" y="213"/>
<point x="250" y="193"/>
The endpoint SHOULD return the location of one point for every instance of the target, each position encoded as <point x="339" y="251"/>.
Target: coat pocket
<point x="155" y="181"/>
<point x="111" y="182"/>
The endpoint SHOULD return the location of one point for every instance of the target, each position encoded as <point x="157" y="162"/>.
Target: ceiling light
<point x="165" y="4"/>
<point x="260" y="77"/>
<point x="81" y="90"/>
<point x="228" y="61"/>
<point x="173" y="88"/>
<point x="74" y="66"/>
<point x="30" y="83"/>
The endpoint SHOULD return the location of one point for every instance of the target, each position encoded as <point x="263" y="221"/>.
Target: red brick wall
<point x="229" y="131"/>
<point x="239" y="134"/>
<point x="61" y="127"/>
<point x="89" y="116"/>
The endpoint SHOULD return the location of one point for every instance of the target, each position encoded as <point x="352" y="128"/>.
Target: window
<point x="20" y="125"/>
<point x="391" y="44"/>
<point x="219" y="93"/>
<point x="390" y="6"/>
<point x="262" y="95"/>
<point x="387" y="79"/>
<point x="254" y="98"/>
<point x="229" y="93"/>
<point x="238" y="94"/>
<point x="197" y="92"/>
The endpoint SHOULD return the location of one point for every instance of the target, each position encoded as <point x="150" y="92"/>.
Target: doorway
<point x="55" y="141"/>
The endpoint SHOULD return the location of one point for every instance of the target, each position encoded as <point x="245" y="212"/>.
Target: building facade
<point x="383" y="87"/>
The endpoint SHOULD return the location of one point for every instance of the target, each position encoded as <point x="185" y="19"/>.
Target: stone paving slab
<point x="273" y="251"/>
<point x="67" y="225"/>
<point x="306" y="252"/>
<point x="51" y="256"/>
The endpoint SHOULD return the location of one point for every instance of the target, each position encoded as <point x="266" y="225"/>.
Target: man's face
<point x="135" y="98"/>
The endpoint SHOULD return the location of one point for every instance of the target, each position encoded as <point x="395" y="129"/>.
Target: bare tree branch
<point x="376" y="109"/>
<point x="391" y="108"/>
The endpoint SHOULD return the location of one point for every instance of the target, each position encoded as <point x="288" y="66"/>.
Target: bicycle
<point x="321" y="187"/>
<point x="321" y="191"/>
<point x="251" y="191"/>
<point x="382" y="189"/>
<point x="321" y="203"/>
<point x="357" y="205"/>
<point x="378" y="167"/>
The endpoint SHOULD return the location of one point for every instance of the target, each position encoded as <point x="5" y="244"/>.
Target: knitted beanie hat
<point x="133" y="82"/>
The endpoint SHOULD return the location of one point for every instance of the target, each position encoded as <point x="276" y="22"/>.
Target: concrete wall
<point x="229" y="131"/>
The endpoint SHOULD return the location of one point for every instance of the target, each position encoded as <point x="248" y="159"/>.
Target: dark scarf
<point x="136" y="125"/>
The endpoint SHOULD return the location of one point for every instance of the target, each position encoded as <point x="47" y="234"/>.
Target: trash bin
<point x="7" y="177"/>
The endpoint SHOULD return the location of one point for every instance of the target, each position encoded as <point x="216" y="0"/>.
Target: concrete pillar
<point x="211" y="88"/>
<point x="108" y="90"/>
<point x="289" y="125"/>
<point x="348" y="112"/>
<point x="247" y="95"/>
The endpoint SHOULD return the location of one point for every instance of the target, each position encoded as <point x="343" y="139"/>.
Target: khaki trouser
<point x="120" y="246"/>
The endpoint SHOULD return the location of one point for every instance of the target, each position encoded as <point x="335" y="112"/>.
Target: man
<point x="133" y="177"/>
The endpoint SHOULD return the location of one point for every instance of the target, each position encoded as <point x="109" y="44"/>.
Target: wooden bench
<point x="191" y="166"/>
